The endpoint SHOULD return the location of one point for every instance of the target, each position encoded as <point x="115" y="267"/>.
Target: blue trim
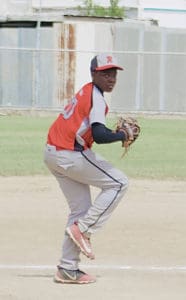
<point x="165" y="9"/>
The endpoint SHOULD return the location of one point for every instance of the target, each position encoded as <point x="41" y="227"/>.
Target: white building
<point x="167" y="13"/>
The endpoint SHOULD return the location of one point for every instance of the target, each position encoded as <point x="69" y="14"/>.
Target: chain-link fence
<point x="42" y="67"/>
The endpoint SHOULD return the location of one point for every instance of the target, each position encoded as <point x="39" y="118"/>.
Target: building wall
<point x="170" y="14"/>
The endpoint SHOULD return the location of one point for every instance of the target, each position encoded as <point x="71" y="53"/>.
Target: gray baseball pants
<point x="76" y="172"/>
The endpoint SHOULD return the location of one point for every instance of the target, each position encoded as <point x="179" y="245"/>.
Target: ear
<point x="92" y="74"/>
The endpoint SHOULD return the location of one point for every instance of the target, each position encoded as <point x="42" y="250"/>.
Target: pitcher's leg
<point x="79" y="201"/>
<point x="103" y="207"/>
<point x="113" y="184"/>
<point x="62" y="165"/>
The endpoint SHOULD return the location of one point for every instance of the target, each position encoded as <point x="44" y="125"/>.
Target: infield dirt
<point x="140" y="253"/>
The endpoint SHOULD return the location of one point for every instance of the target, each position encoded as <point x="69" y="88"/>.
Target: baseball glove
<point x="131" y="129"/>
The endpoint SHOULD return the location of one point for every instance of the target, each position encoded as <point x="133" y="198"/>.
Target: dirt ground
<point x="140" y="253"/>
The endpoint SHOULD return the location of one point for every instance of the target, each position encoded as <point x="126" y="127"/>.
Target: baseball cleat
<point x="73" y="276"/>
<point x="80" y="240"/>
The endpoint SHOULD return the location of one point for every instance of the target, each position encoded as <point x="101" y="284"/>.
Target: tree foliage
<point x="100" y="11"/>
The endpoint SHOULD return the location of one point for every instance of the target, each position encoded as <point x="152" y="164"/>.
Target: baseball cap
<point x="104" y="61"/>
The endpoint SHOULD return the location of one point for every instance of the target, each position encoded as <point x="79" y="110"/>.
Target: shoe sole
<point x="63" y="281"/>
<point x="77" y="244"/>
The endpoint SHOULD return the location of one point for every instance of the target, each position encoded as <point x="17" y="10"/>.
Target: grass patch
<point x="158" y="153"/>
<point x="22" y="143"/>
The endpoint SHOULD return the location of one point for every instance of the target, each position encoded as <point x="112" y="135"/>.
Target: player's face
<point x="105" y="80"/>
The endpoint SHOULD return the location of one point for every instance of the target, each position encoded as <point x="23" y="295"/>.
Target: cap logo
<point x="109" y="59"/>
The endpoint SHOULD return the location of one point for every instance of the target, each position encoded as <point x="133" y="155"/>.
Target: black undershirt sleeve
<point x="103" y="135"/>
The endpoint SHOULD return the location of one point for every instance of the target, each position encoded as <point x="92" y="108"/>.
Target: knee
<point x="124" y="184"/>
<point x="121" y="182"/>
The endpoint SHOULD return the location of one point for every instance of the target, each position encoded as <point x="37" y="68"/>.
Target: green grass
<point x="22" y="140"/>
<point x="160" y="151"/>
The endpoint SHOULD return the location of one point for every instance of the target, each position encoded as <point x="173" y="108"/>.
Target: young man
<point x="76" y="167"/>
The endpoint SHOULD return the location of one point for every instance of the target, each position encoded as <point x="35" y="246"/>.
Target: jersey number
<point x="69" y="109"/>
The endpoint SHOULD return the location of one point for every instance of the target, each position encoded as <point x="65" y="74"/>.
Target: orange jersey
<point x="74" y="124"/>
